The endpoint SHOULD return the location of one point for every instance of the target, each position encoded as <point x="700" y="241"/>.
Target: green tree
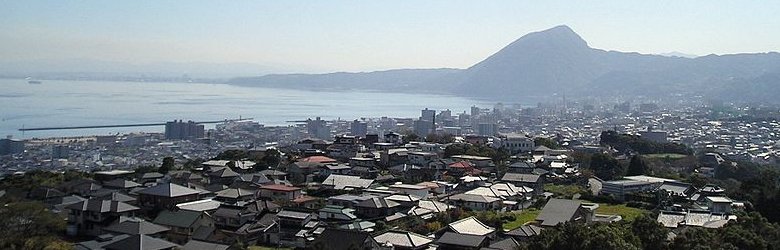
<point x="637" y="166"/>
<point x="167" y="165"/>
<point x="440" y="138"/>
<point x="606" y="167"/>
<point x="28" y="225"/>
<point x="651" y="234"/>
<point x="547" y="142"/>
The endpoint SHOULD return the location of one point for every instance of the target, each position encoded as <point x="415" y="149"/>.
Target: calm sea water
<point x="79" y="103"/>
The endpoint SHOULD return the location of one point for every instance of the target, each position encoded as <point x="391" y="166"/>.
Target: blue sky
<point x="320" y="36"/>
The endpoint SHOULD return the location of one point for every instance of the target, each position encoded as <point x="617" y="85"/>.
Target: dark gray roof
<point x="223" y="173"/>
<point x="168" y="190"/>
<point x="505" y="244"/>
<point x="522" y="164"/>
<point x="140" y="242"/>
<point x="202" y="245"/>
<point x="152" y="175"/>
<point x="333" y="238"/>
<point x="227" y="212"/>
<point x="99" y="242"/>
<point x="116" y="196"/>
<point x="181" y="218"/>
<point x="376" y="202"/>
<point x="451" y="238"/>
<point x="557" y="211"/>
<point x="120" y="183"/>
<point x="525" y="231"/>
<point x="271" y="172"/>
<point x="515" y="177"/>
<point x="234" y="193"/>
<point x="135" y="226"/>
<point x="102" y="206"/>
<point x="292" y="214"/>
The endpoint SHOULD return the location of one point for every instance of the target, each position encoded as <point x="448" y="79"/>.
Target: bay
<point x="82" y="103"/>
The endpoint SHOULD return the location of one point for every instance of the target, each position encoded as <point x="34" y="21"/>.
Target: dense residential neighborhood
<point x="492" y="179"/>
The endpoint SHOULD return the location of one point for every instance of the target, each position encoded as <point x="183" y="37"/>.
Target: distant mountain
<point x="400" y="80"/>
<point x="557" y="60"/>
<point x="678" y="54"/>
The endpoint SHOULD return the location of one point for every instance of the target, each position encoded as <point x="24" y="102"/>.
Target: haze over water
<point x="81" y="103"/>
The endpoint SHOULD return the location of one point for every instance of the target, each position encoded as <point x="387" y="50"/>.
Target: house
<point x="91" y="216"/>
<point x="166" y="196"/>
<point x="558" y="211"/>
<point x="133" y="226"/>
<point x="451" y="240"/>
<point x="535" y="182"/>
<point x="416" y="190"/>
<point x="521" y="167"/>
<point x="151" y="177"/>
<point x="293" y="227"/>
<point x="719" y="204"/>
<point x="329" y="169"/>
<point x="348" y="200"/>
<point x="232" y="217"/>
<point x="474" y="202"/>
<point x="505" y="244"/>
<point x="103" y="176"/>
<point x="258" y="232"/>
<point x="184" y="224"/>
<point x="234" y="195"/>
<point x="199" y="245"/>
<point x="402" y="240"/>
<point x="336" y="213"/>
<point x="426" y="209"/>
<point x="693" y="218"/>
<point x="376" y="208"/>
<point x="421" y="158"/>
<point x="517" y="143"/>
<point x="279" y="192"/>
<point x="222" y="176"/>
<point x="274" y="174"/>
<point x="302" y="171"/>
<point x="503" y="191"/>
<point x="207" y="205"/>
<point x="141" y="242"/>
<point x="121" y="184"/>
<point x="362" y="162"/>
<point x="345" y="182"/>
<point x="477" y="161"/>
<point x="333" y="238"/>
<point x="471" y="226"/>
<point x="524" y="232"/>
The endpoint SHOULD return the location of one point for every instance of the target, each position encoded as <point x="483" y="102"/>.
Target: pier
<point x="124" y="125"/>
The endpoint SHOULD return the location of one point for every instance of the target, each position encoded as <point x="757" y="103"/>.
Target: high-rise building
<point x="423" y="127"/>
<point x="60" y="152"/>
<point x="358" y="128"/>
<point x="318" y="129"/>
<point x="428" y="114"/>
<point x="178" y="130"/>
<point x="474" y="111"/>
<point x="11" y="146"/>
<point x="487" y="129"/>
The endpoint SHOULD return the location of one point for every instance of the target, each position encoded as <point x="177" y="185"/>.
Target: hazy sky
<point x="318" y="36"/>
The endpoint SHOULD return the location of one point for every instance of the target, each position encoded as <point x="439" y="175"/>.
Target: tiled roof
<point x="403" y="239"/>
<point x="102" y="206"/>
<point x="168" y="190"/>
<point x="471" y="226"/>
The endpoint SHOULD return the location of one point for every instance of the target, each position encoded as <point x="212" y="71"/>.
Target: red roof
<point x="461" y="164"/>
<point x="280" y="187"/>
<point x="318" y="159"/>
